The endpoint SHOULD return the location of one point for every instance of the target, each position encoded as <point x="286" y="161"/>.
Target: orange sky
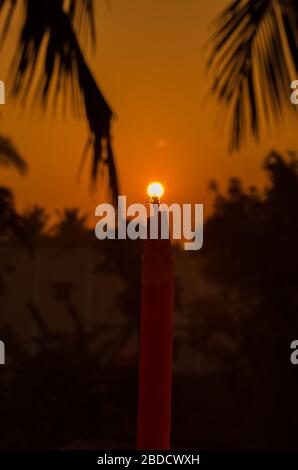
<point x="150" y="63"/>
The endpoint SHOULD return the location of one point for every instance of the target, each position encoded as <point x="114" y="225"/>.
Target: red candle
<point x="156" y="341"/>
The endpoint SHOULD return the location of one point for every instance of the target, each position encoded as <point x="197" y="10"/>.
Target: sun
<point x="155" y="190"/>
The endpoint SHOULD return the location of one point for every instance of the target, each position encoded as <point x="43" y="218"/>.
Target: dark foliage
<point x="251" y="248"/>
<point x="49" y="36"/>
<point x="254" y="48"/>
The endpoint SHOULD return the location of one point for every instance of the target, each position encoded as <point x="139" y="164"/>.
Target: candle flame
<point x="155" y="190"/>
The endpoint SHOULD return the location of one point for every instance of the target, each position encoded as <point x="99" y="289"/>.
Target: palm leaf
<point x="8" y="18"/>
<point x="81" y="13"/>
<point x="50" y="34"/>
<point x="9" y="156"/>
<point x="253" y="49"/>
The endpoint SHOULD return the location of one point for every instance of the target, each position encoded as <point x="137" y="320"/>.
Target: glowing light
<point x="155" y="190"/>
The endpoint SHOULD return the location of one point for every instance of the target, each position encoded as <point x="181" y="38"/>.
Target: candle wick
<point x="154" y="200"/>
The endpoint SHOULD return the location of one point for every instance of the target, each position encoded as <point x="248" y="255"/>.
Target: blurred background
<point x="101" y="98"/>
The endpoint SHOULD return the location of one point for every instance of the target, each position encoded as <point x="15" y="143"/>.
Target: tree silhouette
<point x="254" y="50"/>
<point x="9" y="220"/>
<point x="50" y="34"/>
<point x="34" y="221"/>
<point x="265" y="223"/>
<point x="251" y="248"/>
<point x="71" y="227"/>
<point x="10" y="223"/>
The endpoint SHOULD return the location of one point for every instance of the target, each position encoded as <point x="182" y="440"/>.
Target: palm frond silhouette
<point x="9" y="155"/>
<point x="254" y="50"/>
<point x="50" y="33"/>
